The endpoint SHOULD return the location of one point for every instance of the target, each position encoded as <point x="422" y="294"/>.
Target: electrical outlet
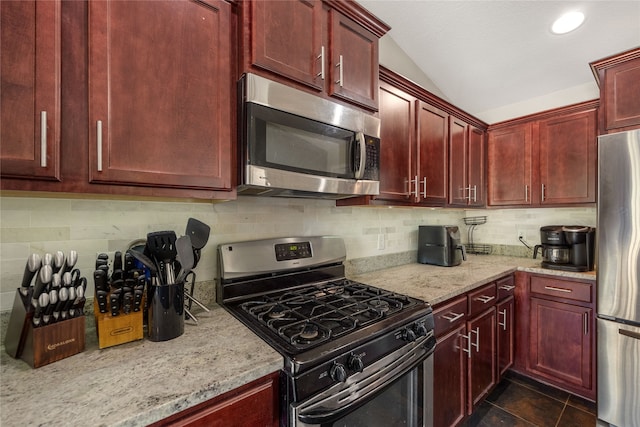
<point x="380" y="241"/>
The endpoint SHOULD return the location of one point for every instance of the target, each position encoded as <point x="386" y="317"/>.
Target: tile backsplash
<point x="90" y="226"/>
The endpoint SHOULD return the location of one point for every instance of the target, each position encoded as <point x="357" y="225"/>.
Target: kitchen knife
<point x="53" y="300"/>
<point x="137" y="298"/>
<point x="66" y="280"/>
<point x="43" y="301"/>
<point x="47" y="259"/>
<point x="42" y="281"/>
<point x="30" y="269"/>
<point x="114" y="302"/>
<point x="58" y="262"/>
<point x="63" y="296"/>
<point x="101" y="297"/>
<point x="127" y="302"/>
<point x="72" y="258"/>
<point x="75" y="277"/>
<point x="100" y="280"/>
<point x="67" y="306"/>
<point x="56" y="281"/>
<point x="129" y="265"/>
<point x="117" y="266"/>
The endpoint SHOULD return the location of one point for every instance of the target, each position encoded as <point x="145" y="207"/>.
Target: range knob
<point x="420" y="329"/>
<point x="338" y="373"/>
<point x="408" y="335"/>
<point x="355" y="363"/>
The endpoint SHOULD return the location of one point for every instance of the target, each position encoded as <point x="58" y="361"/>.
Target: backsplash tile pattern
<point x="90" y="226"/>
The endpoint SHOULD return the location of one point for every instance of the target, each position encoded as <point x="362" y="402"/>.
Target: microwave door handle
<point x="363" y="155"/>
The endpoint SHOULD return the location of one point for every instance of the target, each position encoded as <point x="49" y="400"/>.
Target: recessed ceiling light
<point x="567" y="22"/>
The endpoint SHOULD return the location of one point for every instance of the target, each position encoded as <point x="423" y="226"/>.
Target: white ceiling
<point x="488" y="55"/>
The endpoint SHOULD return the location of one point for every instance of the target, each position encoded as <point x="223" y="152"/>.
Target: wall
<point x="90" y="226"/>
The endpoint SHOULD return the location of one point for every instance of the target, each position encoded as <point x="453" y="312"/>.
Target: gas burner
<point x="278" y="311"/>
<point x="309" y="332"/>
<point x="379" y="305"/>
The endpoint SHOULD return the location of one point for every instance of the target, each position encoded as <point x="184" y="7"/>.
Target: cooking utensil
<point x="30" y="269"/>
<point x="42" y="281"/>
<point x="199" y="233"/>
<point x="72" y="258"/>
<point x="58" y="261"/>
<point x="198" y="303"/>
<point x="162" y="247"/>
<point x="144" y="260"/>
<point x="184" y="250"/>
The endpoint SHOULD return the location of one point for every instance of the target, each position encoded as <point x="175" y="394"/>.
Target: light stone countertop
<point x="136" y="383"/>
<point x="436" y="284"/>
<point x="141" y="382"/>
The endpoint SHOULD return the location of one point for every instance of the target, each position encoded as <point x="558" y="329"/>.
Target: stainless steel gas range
<point x="355" y="355"/>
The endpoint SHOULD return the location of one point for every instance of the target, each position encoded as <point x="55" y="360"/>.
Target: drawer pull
<point x="507" y="287"/>
<point x="321" y="58"/>
<point x="453" y="316"/>
<point x="485" y="299"/>
<point x="504" y="322"/>
<point x="99" y="144"/>
<point x="585" y="320"/>
<point x="553" y="288"/>
<point x="341" y="78"/>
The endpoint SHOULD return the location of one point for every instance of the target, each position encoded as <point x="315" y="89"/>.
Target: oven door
<point x="396" y="390"/>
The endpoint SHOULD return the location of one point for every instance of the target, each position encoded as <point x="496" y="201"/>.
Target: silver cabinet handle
<point x="553" y="288"/>
<point x="414" y="181"/>
<point x="526" y="193"/>
<point x="468" y="349"/>
<point x="506" y="287"/>
<point x="585" y="320"/>
<point x="424" y="191"/>
<point x="484" y="298"/>
<point x="543" y="192"/>
<point x="321" y="58"/>
<point x="475" y="193"/>
<point x="99" y="143"/>
<point x="453" y="317"/>
<point x="340" y="81"/>
<point x="468" y="191"/>
<point x="43" y="139"/>
<point x="504" y="322"/>
<point x="477" y="344"/>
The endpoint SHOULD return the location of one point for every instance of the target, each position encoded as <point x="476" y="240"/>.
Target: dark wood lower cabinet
<point x="254" y="404"/>
<point x="481" y="369"/>
<point x="505" y="313"/>
<point x="449" y="374"/>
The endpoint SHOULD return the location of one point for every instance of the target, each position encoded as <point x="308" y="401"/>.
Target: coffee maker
<point x="567" y="247"/>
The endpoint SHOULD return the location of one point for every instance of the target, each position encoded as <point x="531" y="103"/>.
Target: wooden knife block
<point x="43" y="345"/>
<point x="120" y="329"/>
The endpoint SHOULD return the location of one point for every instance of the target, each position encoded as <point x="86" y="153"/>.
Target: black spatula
<point x="199" y="233"/>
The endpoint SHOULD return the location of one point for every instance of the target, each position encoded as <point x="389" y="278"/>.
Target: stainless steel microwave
<point x="295" y="144"/>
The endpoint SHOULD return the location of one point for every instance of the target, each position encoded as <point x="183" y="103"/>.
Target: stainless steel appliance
<point x="354" y="354"/>
<point x="440" y="245"/>
<point x="567" y="247"/>
<point x="618" y="280"/>
<point x="294" y="144"/>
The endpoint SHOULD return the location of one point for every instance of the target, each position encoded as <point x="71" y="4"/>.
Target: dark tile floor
<point x="519" y="401"/>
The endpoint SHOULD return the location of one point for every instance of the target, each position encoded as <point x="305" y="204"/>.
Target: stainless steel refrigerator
<point x="618" y="279"/>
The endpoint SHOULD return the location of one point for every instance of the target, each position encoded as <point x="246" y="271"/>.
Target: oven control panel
<point x="289" y="251"/>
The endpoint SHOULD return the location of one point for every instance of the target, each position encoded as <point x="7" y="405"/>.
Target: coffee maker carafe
<point x="568" y="247"/>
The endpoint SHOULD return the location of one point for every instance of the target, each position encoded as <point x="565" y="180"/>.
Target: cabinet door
<point x="568" y="146"/>
<point x="432" y="156"/>
<point x="621" y="95"/>
<point x="396" y="141"/>
<point x="482" y="364"/>
<point x="160" y="93"/>
<point x="287" y="39"/>
<point x="353" y="70"/>
<point x="30" y="101"/>
<point x="561" y="342"/>
<point x="476" y="166"/>
<point x="510" y="156"/>
<point x="458" y="178"/>
<point x="449" y="379"/>
<point x="506" y="329"/>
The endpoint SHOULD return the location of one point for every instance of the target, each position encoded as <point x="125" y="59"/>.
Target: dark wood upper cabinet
<point x="458" y="163"/>
<point x="510" y="153"/>
<point x="430" y="180"/>
<point x="160" y="94"/>
<point x="330" y="47"/>
<point x="397" y="110"/>
<point x="619" y="80"/>
<point x="30" y="102"/>
<point x="547" y="159"/>
<point x="476" y="164"/>
<point x="290" y="39"/>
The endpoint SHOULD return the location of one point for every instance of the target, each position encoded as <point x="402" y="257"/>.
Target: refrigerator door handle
<point x="630" y="334"/>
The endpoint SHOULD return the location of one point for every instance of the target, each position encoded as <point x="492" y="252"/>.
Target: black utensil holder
<point x="166" y="312"/>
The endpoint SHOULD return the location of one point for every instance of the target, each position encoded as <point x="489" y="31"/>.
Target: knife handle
<point x="114" y="301"/>
<point x="30" y="269"/>
<point x="127" y="302"/>
<point x="42" y="280"/>
<point x="100" y="280"/>
<point x="137" y="297"/>
<point x="101" y="297"/>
